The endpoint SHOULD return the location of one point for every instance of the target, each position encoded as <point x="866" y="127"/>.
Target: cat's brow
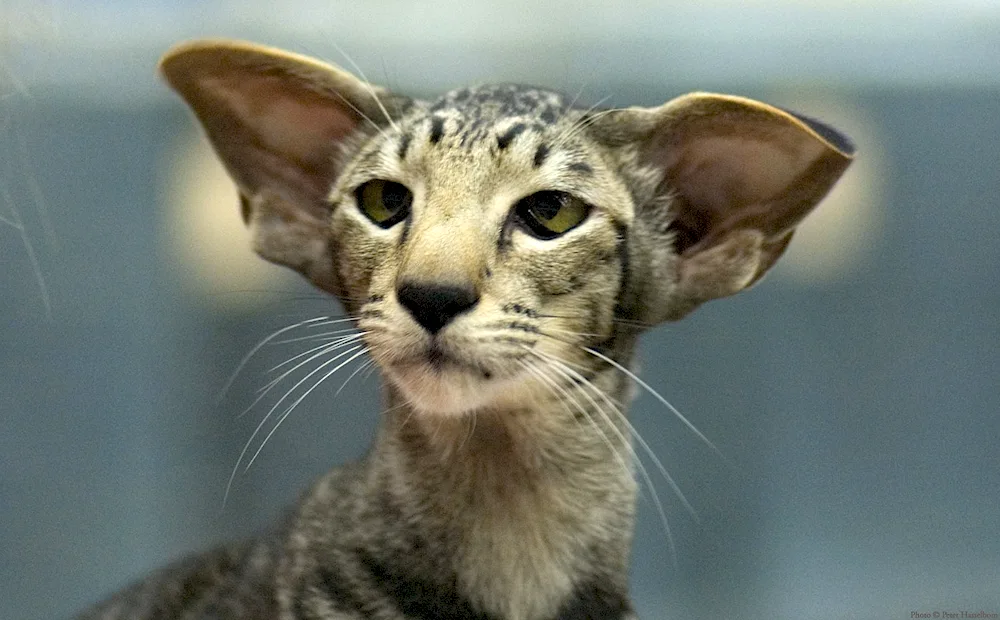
<point x="503" y="111"/>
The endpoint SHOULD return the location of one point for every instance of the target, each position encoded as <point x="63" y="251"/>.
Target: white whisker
<point x="578" y="94"/>
<point x="334" y="321"/>
<point x="564" y="393"/>
<point x="256" y="431"/>
<point x="317" y="337"/>
<point x="472" y="429"/>
<point x="660" y="398"/>
<point x="360" y="367"/>
<point x="572" y="332"/>
<point x="295" y="404"/>
<point x="642" y="468"/>
<point x="570" y="132"/>
<point x="368" y="85"/>
<point x="333" y="344"/>
<point x="14" y="220"/>
<point x="632" y="430"/>
<point x="371" y="370"/>
<point x="253" y="351"/>
<point x="322" y="350"/>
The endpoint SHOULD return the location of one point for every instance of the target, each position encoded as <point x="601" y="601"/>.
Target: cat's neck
<point x="532" y="504"/>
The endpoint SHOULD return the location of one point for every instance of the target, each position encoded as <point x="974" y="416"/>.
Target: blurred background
<point x="854" y="391"/>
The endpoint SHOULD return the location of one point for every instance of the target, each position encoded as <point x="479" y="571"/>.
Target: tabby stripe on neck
<point x="595" y="602"/>
<point x="335" y="587"/>
<point x="421" y="599"/>
<point x="416" y="598"/>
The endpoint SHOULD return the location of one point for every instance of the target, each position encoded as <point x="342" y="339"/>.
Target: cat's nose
<point x="435" y="305"/>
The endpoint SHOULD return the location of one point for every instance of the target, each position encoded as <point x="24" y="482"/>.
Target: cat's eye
<point x="386" y="203"/>
<point x="549" y="214"/>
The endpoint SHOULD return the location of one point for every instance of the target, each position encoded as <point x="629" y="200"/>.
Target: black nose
<point x="435" y="305"/>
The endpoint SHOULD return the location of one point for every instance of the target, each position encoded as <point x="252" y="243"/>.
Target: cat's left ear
<point x="737" y="177"/>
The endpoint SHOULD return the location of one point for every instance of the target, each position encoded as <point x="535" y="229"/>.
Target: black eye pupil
<point x="547" y="204"/>
<point x="395" y="196"/>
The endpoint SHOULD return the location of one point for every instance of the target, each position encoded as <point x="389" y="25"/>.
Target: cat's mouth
<point x="440" y="360"/>
<point x="437" y="381"/>
<point x="437" y="358"/>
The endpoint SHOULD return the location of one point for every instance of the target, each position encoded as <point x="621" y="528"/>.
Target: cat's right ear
<point x="281" y="124"/>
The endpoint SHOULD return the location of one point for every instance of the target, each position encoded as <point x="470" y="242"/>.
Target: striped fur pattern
<point x="501" y="485"/>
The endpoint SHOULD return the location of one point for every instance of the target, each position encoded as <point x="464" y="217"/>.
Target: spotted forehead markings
<point x="477" y="110"/>
<point x="500" y="100"/>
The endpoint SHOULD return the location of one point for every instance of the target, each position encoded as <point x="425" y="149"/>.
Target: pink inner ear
<point x="291" y="121"/>
<point x="725" y="172"/>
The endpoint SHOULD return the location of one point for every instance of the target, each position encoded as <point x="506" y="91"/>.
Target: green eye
<point x="384" y="202"/>
<point x="549" y="214"/>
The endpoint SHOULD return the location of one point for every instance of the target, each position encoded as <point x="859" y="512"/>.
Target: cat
<point x="500" y="251"/>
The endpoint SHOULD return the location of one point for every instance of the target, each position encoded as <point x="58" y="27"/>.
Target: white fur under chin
<point x="452" y="392"/>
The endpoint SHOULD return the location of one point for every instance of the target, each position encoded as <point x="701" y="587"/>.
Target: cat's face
<point x="491" y="197"/>
<point x="498" y="230"/>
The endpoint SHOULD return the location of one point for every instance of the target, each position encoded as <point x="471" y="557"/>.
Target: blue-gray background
<point x="858" y="411"/>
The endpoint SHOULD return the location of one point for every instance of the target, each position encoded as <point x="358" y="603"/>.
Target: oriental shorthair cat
<point x="498" y="251"/>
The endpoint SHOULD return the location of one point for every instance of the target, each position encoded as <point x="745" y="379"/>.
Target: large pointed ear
<point x="282" y="124"/>
<point x="736" y="176"/>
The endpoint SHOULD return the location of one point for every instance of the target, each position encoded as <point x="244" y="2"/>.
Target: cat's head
<point x="477" y="235"/>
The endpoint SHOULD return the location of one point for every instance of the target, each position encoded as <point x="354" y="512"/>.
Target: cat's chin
<point x="451" y="391"/>
<point x="443" y="392"/>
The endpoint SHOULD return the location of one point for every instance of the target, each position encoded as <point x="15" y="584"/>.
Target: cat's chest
<point x="523" y="543"/>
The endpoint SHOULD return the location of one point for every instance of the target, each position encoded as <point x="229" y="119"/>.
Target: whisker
<point x="333" y="343"/>
<point x="632" y="430"/>
<point x="364" y="116"/>
<point x="360" y="367"/>
<point x="246" y="446"/>
<point x="633" y="323"/>
<point x="283" y="295"/>
<point x="319" y="336"/>
<point x="409" y="414"/>
<point x="578" y="366"/>
<point x="621" y="321"/>
<point x="323" y="349"/>
<point x="253" y="351"/>
<point x="335" y="321"/>
<point x="660" y="398"/>
<point x="573" y="332"/>
<point x="371" y="370"/>
<point x="564" y="393"/>
<point x="658" y="503"/>
<point x="546" y="315"/>
<point x="584" y="120"/>
<point x="14" y="220"/>
<point x="295" y="404"/>
<point x="263" y="392"/>
<point x="368" y="85"/>
<point x="579" y="93"/>
<point x="635" y="457"/>
<point x="472" y="429"/>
